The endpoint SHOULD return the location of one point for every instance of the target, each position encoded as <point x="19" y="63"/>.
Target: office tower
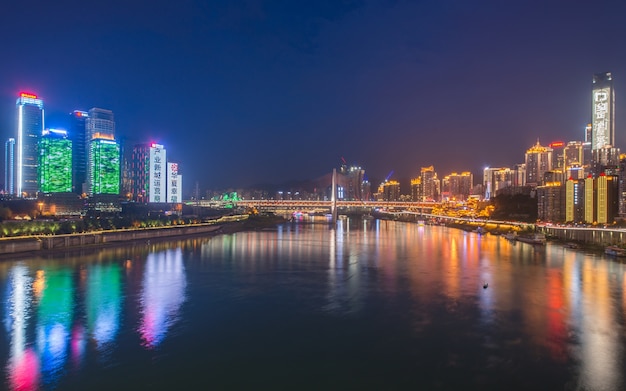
<point x="148" y="172"/>
<point x="174" y="184"/>
<point x="588" y="133"/>
<point x="30" y="124"/>
<point x="77" y="135"/>
<point x="9" y="166"/>
<point x="602" y="111"/>
<point x="104" y="166"/>
<point x="538" y="161"/>
<point x="55" y="162"/>
<point x="99" y="123"/>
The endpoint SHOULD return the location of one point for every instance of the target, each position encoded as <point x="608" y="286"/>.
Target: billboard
<point x="157" y="174"/>
<point x="601" y="134"/>
<point x="174" y="184"/>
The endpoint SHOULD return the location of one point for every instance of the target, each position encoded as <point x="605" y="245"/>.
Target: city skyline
<point x="266" y="92"/>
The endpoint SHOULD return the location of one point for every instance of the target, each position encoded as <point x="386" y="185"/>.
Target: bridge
<point x="324" y="205"/>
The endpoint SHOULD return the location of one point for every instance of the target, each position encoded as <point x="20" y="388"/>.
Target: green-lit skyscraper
<point x="104" y="170"/>
<point x="55" y="162"/>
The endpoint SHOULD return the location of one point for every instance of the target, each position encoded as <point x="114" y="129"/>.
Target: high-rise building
<point x="352" y="182"/>
<point x="99" y="123"/>
<point x="538" y="161"/>
<point x="9" y="166"/>
<point x="30" y="124"/>
<point x="602" y="111"/>
<point x="558" y="159"/>
<point x="497" y="178"/>
<point x="574" y="200"/>
<point x="104" y="167"/>
<point x="601" y="199"/>
<point x="429" y="187"/>
<point x="55" y="162"/>
<point x="416" y="189"/>
<point x="80" y="154"/>
<point x="551" y="202"/>
<point x="148" y="172"/>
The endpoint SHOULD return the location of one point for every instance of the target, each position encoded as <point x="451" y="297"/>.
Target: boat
<point x="535" y="238"/>
<point x="511" y="235"/>
<point x="615" y="251"/>
<point x="572" y="245"/>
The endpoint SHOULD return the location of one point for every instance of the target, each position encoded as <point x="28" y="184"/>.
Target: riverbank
<point x="55" y="243"/>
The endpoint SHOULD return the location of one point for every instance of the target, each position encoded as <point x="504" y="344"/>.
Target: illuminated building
<point x="553" y="176"/>
<point x="497" y="178"/>
<point x="352" y="182"/>
<point x="148" y="173"/>
<point x="605" y="160"/>
<point x="538" y="161"/>
<point x="366" y="189"/>
<point x="601" y="199"/>
<point x="9" y="166"/>
<point x="99" y="123"/>
<point x="458" y="186"/>
<point x="622" y="186"/>
<point x="390" y="190"/>
<point x="574" y="200"/>
<point x="104" y="167"/>
<point x="174" y="184"/>
<point x="55" y="162"/>
<point x="575" y="172"/>
<point x="557" y="155"/>
<point x="573" y="154"/>
<point x="588" y="133"/>
<point x="30" y="124"/>
<point x="551" y="202"/>
<point x="77" y="134"/>
<point x="602" y="111"/>
<point x="429" y="185"/>
<point x="416" y="189"/>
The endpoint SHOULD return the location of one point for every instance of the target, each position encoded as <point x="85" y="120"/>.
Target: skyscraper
<point x="538" y="162"/>
<point x="77" y="134"/>
<point x="30" y="124"/>
<point x="9" y="166"/>
<point x="148" y="171"/>
<point x="55" y="162"/>
<point x="104" y="168"/>
<point x="99" y="123"/>
<point x="602" y="111"/>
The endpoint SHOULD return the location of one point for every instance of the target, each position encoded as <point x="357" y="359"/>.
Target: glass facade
<point x="55" y="162"/>
<point x="105" y="169"/>
<point x="30" y="124"/>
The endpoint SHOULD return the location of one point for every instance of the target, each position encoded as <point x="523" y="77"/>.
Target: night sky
<point x="247" y="92"/>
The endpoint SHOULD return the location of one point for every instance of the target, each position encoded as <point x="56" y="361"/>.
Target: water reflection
<point x="23" y="362"/>
<point x="162" y="295"/>
<point x="417" y="288"/>
<point x="104" y="300"/>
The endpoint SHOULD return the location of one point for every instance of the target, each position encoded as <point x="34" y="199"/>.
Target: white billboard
<point x="174" y="184"/>
<point x="601" y="118"/>
<point x="157" y="174"/>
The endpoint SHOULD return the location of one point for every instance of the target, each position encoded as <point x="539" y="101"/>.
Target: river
<point x="363" y="305"/>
